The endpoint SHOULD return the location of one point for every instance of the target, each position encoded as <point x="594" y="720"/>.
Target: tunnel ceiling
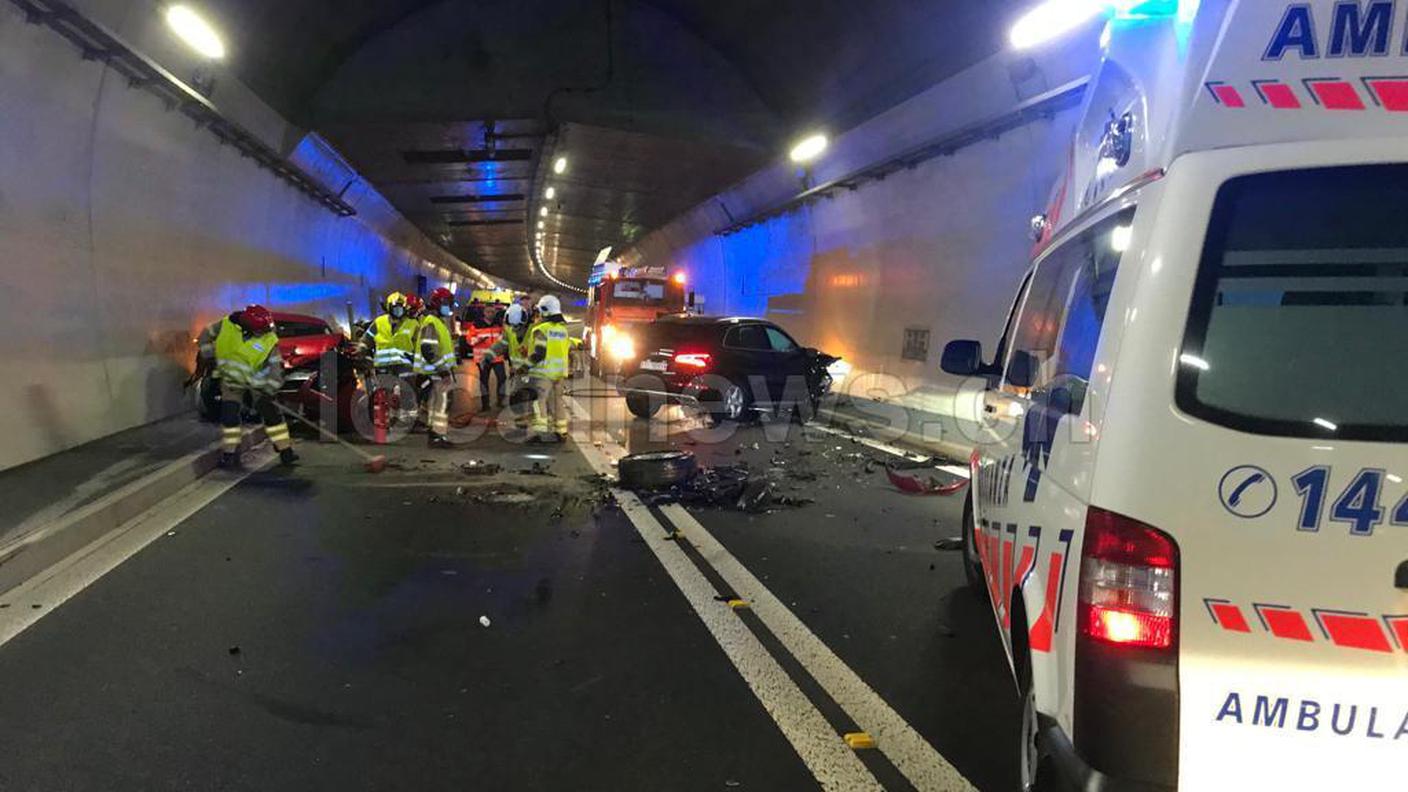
<point x="455" y="109"/>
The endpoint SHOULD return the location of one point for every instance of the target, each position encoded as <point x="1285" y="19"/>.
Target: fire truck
<point x="618" y="300"/>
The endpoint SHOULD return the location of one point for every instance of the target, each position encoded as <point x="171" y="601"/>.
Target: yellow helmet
<point x="394" y="299"/>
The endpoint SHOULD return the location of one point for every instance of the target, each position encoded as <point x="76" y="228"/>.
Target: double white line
<point x="834" y="764"/>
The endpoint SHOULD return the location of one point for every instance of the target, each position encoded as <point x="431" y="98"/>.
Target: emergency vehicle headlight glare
<point x="809" y="148"/>
<point x="1053" y="19"/>
<point x="198" y="34"/>
<point x="1120" y="238"/>
<point x="622" y="347"/>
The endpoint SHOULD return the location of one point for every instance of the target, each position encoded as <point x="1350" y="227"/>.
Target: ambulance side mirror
<point x="962" y="358"/>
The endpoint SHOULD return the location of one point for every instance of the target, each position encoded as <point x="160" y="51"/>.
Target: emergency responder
<point x="242" y="349"/>
<point x="415" y="308"/>
<point x="513" y="346"/>
<point x="493" y="365"/>
<point x="390" y="341"/>
<point x="549" y="347"/>
<point x="437" y="363"/>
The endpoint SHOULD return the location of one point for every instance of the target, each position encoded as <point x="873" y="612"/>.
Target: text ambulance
<point x="1188" y="508"/>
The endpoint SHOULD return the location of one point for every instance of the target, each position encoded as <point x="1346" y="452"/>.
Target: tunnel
<point x="703" y="394"/>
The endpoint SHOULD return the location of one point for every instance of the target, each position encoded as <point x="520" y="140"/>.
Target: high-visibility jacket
<point x="437" y="347"/>
<point x="395" y="344"/>
<point x="550" y="344"/>
<point x="512" y="346"/>
<point x="245" y="362"/>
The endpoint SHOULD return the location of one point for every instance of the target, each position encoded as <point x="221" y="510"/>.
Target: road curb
<point x="23" y="557"/>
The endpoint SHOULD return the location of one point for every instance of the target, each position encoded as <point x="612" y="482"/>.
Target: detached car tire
<point x="642" y="405"/>
<point x="656" y="469"/>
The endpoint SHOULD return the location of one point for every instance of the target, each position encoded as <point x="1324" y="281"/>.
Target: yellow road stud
<point x="859" y="741"/>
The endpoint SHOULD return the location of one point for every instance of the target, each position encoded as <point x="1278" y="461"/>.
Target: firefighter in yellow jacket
<point x="390" y="342"/>
<point x="436" y="361"/>
<point x="243" y="351"/>
<point x="513" y="346"/>
<point x="549" y="349"/>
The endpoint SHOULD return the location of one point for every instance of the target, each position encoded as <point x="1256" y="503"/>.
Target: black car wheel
<point x="732" y="406"/>
<point x="656" y="469"/>
<point x="642" y="405"/>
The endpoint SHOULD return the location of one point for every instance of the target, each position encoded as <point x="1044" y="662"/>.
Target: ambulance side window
<point x="1061" y="319"/>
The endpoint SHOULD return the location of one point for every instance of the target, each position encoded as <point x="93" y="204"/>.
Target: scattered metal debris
<point x="478" y="467"/>
<point x="949" y="544"/>
<point x="917" y="484"/>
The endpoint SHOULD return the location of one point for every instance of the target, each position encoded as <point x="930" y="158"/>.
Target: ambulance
<point x="1189" y="510"/>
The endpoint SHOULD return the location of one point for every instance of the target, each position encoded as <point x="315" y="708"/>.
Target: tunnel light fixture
<point x="809" y="148"/>
<point x="550" y="193"/>
<point x="1326" y="425"/>
<point x="543" y="212"/>
<point x="195" y="31"/>
<point x="560" y="166"/>
<point x="542" y="224"/>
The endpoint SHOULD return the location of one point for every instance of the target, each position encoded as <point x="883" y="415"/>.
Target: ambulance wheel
<point x="972" y="564"/>
<point x="642" y="406"/>
<point x="656" y="469"/>
<point x="1035" y="771"/>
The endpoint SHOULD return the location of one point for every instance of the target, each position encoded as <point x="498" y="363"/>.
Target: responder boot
<point x="288" y="458"/>
<point x="230" y="461"/>
<point x="439" y="441"/>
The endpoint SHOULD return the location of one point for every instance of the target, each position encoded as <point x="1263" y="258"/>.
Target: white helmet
<point x="515" y="315"/>
<point x="549" y="306"/>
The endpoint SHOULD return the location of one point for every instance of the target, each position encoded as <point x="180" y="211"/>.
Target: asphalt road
<point x="326" y="629"/>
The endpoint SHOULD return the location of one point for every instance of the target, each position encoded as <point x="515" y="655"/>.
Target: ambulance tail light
<point x="1128" y="583"/>
<point x="1126" y="718"/>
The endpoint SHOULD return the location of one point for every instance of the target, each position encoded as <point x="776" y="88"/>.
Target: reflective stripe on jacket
<point x="395" y="346"/>
<point x="551" y="339"/>
<point x="243" y="362"/>
<point x="435" y="339"/>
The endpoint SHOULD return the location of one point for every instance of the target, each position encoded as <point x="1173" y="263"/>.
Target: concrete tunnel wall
<point x="939" y="248"/>
<point x="124" y="229"/>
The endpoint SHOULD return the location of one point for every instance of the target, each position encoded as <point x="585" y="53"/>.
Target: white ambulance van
<point x="1188" y="506"/>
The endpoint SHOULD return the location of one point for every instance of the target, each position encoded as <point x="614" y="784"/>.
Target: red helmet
<point x="439" y="297"/>
<point x="414" y="305"/>
<point x="255" y="319"/>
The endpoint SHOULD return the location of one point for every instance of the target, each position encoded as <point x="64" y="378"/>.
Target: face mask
<point x="398" y="312"/>
<point x="445" y="310"/>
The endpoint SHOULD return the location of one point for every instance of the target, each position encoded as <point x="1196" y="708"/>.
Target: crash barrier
<point x="24" y="556"/>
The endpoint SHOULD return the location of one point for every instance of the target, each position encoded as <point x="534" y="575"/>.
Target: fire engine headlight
<point x="608" y="333"/>
<point x="621" y="346"/>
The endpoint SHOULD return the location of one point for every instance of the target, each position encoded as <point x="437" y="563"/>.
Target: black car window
<point x="779" y="341"/>
<point x="750" y="336"/>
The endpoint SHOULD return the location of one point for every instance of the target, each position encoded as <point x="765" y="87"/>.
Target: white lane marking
<point x="60" y="582"/>
<point x="912" y="755"/>
<point x="834" y="765"/>
<point x="920" y="763"/>
<point x="956" y="470"/>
